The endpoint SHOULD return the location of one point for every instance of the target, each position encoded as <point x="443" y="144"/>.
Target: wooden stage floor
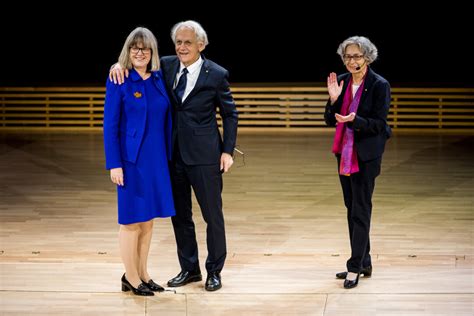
<point x="286" y="231"/>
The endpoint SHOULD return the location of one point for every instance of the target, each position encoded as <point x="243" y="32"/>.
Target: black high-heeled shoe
<point x="153" y="286"/>
<point x="349" y="284"/>
<point x="367" y="272"/>
<point x="142" y="289"/>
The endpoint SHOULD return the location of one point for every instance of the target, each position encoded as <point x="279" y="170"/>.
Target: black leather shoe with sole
<point x="185" y="277"/>
<point x="142" y="289"/>
<point x="349" y="284"/>
<point x="153" y="286"/>
<point x="213" y="281"/>
<point x="367" y="272"/>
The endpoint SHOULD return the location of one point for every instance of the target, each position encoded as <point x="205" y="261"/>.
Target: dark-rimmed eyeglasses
<point x="240" y="152"/>
<point x="355" y="57"/>
<point x="144" y="51"/>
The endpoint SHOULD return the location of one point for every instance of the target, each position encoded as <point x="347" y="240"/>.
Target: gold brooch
<point x="137" y="95"/>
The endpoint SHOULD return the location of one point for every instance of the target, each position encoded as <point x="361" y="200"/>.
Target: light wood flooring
<point x="286" y="232"/>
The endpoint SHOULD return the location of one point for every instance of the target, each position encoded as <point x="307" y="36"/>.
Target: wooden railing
<point x="260" y="109"/>
<point x="51" y="108"/>
<point x="447" y="109"/>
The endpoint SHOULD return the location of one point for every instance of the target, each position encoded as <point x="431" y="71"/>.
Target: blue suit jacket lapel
<point x="158" y="82"/>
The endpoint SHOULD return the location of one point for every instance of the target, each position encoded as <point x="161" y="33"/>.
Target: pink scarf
<point x="344" y="138"/>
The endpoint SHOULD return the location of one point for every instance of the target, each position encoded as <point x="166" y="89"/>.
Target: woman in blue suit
<point x="137" y="139"/>
<point x="359" y="102"/>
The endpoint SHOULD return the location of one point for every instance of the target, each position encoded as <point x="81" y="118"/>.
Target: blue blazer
<point x="125" y="112"/>
<point x="371" y="130"/>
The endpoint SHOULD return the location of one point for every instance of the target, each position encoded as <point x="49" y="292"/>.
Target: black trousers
<point x="357" y="190"/>
<point x="206" y="182"/>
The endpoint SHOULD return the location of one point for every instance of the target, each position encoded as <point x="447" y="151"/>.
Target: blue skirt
<point x="146" y="193"/>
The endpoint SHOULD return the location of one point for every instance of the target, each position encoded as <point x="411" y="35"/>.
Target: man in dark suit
<point x="200" y="155"/>
<point x="197" y="87"/>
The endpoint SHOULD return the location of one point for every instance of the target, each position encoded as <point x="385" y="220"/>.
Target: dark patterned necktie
<point x="181" y="86"/>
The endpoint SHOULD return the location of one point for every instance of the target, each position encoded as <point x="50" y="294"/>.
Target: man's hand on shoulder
<point x="117" y="74"/>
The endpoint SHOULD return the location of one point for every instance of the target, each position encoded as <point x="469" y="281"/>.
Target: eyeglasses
<point x="237" y="150"/>
<point x="135" y="50"/>
<point x="355" y="57"/>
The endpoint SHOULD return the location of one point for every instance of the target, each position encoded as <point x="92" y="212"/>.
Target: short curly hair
<point x="367" y="48"/>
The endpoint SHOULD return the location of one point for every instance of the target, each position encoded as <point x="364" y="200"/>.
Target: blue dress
<point x="146" y="193"/>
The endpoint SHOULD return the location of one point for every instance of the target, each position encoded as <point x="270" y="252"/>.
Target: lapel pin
<point x="137" y="95"/>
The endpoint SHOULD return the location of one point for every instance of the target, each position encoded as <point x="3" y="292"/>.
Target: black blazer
<point x="371" y="130"/>
<point x="195" y="125"/>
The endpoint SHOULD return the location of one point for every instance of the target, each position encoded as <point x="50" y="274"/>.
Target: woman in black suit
<point x="358" y="105"/>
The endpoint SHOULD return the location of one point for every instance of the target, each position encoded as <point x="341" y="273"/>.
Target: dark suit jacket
<point x="195" y="126"/>
<point x="371" y="130"/>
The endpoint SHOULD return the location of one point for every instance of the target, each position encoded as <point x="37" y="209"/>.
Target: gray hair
<point x="145" y="37"/>
<point x="201" y="35"/>
<point x="368" y="49"/>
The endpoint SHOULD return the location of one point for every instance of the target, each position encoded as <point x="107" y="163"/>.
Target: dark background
<point x="75" y="44"/>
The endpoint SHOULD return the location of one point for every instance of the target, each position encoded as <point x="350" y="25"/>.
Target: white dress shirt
<point x="355" y="87"/>
<point x="193" y="74"/>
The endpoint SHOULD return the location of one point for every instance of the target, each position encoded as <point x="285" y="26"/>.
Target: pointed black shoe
<point x="185" y="277"/>
<point x="367" y="272"/>
<point x="153" y="286"/>
<point x="213" y="281"/>
<point x="142" y="289"/>
<point x="349" y="284"/>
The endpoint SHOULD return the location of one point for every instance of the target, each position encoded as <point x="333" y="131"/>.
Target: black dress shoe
<point x="142" y="289"/>
<point x="349" y="284"/>
<point x="367" y="272"/>
<point x="185" y="277"/>
<point x="213" y="281"/>
<point x="153" y="286"/>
